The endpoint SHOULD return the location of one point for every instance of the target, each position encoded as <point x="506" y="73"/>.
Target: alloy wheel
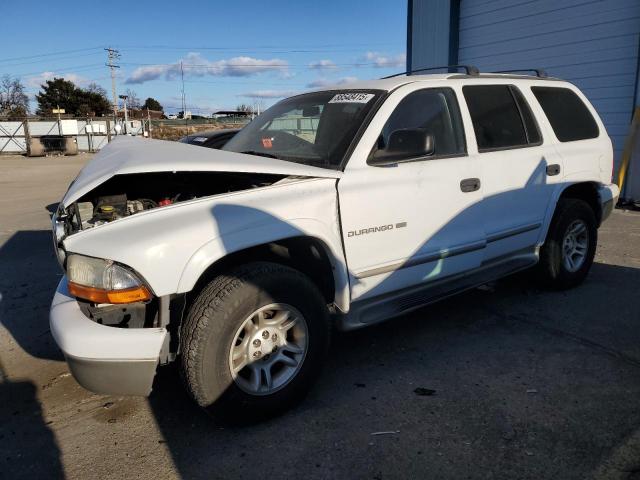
<point x="575" y="245"/>
<point x="268" y="349"/>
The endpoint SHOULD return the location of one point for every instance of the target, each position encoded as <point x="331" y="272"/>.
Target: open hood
<point x="126" y="155"/>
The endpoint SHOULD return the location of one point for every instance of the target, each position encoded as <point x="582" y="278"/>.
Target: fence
<point x="90" y="134"/>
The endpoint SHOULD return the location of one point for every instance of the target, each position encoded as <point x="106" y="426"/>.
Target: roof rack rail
<point x="538" y="71"/>
<point x="470" y="69"/>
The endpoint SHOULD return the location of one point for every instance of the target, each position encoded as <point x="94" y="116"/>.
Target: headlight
<point x="103" y="281"/>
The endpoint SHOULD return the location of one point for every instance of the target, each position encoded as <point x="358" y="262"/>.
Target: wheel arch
<point x="586" y="191"/>
<point x="310" y="254"/>
<point x="583" y="190"/>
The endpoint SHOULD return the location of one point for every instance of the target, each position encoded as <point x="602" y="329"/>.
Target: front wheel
<point x="568" y="251"/>
<point x="254" y="341"/>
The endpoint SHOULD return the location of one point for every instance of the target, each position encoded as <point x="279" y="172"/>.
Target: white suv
<point x="336" y="207"/>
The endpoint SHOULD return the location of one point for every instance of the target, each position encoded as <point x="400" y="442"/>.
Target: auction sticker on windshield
<point x="351" y="98"/>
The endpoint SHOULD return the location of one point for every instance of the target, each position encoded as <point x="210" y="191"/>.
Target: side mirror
<point x="404" y="145"/>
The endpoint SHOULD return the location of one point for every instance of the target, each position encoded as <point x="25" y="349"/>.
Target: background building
<point x="594" y="44"/>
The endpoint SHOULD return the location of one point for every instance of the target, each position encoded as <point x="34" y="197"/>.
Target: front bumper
<point x="111" y="360"/>
<point x="608" y="198"/>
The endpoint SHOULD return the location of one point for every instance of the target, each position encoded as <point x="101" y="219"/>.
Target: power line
<point x="49" y="54"/>
<point x="57" y="59"/>
<point x="257" y="83"/>
<point x="77" y="68"/>
<point x="250" y="51"/>
<point x="225" y="64"/>
<point x="301" y="48"/>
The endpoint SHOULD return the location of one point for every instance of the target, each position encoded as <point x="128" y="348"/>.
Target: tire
<point x="554" y="271"/>
<point x="219" y="319"/>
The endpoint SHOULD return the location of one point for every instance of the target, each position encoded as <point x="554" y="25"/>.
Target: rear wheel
<point x="568" y="251"/>
<point x="254" y="341"/>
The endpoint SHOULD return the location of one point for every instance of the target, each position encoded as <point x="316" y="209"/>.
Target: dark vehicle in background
<point x="210" y="139"/>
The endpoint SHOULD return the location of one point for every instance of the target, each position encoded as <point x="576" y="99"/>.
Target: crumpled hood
<point x="125" y="155"/>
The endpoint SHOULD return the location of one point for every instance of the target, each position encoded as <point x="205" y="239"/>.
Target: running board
<point x="383" y="307"/>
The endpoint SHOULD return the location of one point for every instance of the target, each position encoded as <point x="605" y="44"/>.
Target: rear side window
<point x="568" y="115"/>
<point x="501" y="117"/>
<point x="530" y="125"/>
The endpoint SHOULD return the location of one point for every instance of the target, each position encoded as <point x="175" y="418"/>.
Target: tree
<point x="133" y="102"/>
<point x="94" y="103"/>
<point x="152" y="104"/>
<point x="14" y="103"/>
<point x="93" y="87"/>
<point x="61" y="93"/>
<point x="96" y="100"/>
<point x="57" y="93"/>
<point x="258" y="106"/>
<point x="244" y="108"/>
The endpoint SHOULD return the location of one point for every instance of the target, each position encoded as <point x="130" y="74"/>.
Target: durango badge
<point x="381" y="228"/>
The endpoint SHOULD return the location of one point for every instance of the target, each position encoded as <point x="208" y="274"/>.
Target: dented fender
<point x="219" y="247"/>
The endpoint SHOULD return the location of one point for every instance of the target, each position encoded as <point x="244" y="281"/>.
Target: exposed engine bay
<point x="125" y="195"/>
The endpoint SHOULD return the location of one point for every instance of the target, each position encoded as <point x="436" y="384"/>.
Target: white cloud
<point x="323" y="82"/>
<point x="35" y="81"/>
<point x="195" y="65"/>
<point x="322" y="65"/>
<point x="269" y="94"/>
<point x="380" y="60"/>
<point x="145" y="74"/>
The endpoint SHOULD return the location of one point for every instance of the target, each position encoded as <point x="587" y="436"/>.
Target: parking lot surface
<point x="507" y="381"/>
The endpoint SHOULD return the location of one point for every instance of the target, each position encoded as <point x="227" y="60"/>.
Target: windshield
<point x="315" y="128"/>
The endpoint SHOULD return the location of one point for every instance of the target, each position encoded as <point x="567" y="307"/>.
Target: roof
<point x="397" y="81"/>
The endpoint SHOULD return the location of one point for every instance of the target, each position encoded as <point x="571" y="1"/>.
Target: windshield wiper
<point x="260" y="154"/>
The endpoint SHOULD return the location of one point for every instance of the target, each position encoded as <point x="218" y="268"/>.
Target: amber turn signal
<point x="98" y="295"/>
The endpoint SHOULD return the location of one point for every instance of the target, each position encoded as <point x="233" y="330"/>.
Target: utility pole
<point x="184" y="106"/>
<point x="113" y="56"/>
<point x="126" y="117"/>
<point x="59" y="123"/>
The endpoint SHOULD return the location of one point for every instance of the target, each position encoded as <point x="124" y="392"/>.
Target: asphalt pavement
<point x="506" y="381"/>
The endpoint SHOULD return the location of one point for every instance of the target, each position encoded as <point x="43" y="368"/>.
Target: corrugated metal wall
<point x="592" y="43"/>
<point x="429" y="28"/>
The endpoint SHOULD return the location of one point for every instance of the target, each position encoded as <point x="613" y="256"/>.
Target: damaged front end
<point x="125" y="195"/>
<point x="130" y="176"/>
<point x="132" y="305"/>
<point x="135" y="230"/>
<point x="99" y="298"/>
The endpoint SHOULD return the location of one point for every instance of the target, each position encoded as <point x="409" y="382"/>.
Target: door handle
<point x="470" y="184"/>
<point x="553" y="169"/>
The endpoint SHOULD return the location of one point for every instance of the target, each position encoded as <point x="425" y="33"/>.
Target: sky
<point x="232" y="52"/>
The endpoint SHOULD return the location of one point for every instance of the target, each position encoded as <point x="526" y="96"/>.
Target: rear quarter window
<point x="569" y="117"/>
<point x="501" y="117"/>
